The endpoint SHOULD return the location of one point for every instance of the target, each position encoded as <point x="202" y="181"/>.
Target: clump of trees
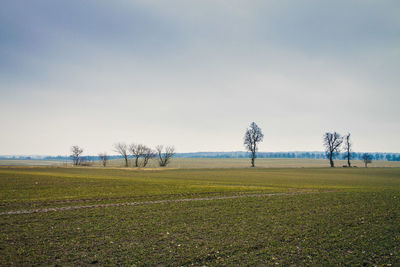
<point x="333" y="142"/>
<point x="142" y="154"/>
<point x="139" y="151"/>
<point x="252" y="137"/>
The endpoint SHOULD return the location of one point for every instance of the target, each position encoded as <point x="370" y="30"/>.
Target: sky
<point x="195" y="74"/>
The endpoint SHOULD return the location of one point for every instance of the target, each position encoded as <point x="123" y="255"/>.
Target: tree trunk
<point x="331" y="161"/>
<point x="253" y="155"/>
<point x="348" y="157"/>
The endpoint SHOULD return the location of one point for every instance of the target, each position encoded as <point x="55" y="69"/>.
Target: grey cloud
<point x="213" y="66"/>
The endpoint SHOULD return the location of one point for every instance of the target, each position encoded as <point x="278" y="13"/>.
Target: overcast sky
<point x="195" y="74"/>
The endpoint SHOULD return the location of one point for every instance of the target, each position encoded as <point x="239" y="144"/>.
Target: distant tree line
<point x="289" y="155"/>
<point x="385" y="156"/>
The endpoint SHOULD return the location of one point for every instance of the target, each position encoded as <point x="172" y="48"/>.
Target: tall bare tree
<point x="165" y="157"/>
<point x="137" y="151"/>
<point x="103" y="158"/>
<point x="76" y="152"/>
<point x="347" y="148"/>
<point x="122" y="149"/>
<point x="147" y="155"/>
<point x="367" y="158"/>
<point x="252" y="137"/>
<point x="332" y="142"/>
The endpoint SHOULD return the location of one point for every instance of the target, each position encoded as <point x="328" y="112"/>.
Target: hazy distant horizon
<point x="195" y="74"/>
<point x="196" y="154"/>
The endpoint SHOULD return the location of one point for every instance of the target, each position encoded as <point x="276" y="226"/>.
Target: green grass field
<point x="338" y="217"/>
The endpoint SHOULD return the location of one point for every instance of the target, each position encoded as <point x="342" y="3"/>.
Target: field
<point x="16" y="162"/>
<point x="190" y="163"/>
<point x="325" y="216"/>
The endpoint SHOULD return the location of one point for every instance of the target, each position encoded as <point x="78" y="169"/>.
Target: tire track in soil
<point x="138" y="203"/>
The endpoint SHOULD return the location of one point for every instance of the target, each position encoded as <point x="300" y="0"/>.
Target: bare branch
<point x="137" y="151"/>
<point x="332" y="142"/>
<point x="122" y="149"/>
<point x="165" y="157"/>
<point x="76" y="152"/>
<point x="147" y="155"/>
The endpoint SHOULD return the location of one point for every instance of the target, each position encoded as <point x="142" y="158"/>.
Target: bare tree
<point x="367" y="158"/>
<point x="122" y="149"/>
<point x="332" y="142"/>
<point x="137" y="151"/>
<point x="147" y="155"/>
<point x="252" y="137"/>
<point x="76" y="152"/>
<point x="347" y="148"/>
<point x="104" y="158"/>
<point x="165" y="157"/>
